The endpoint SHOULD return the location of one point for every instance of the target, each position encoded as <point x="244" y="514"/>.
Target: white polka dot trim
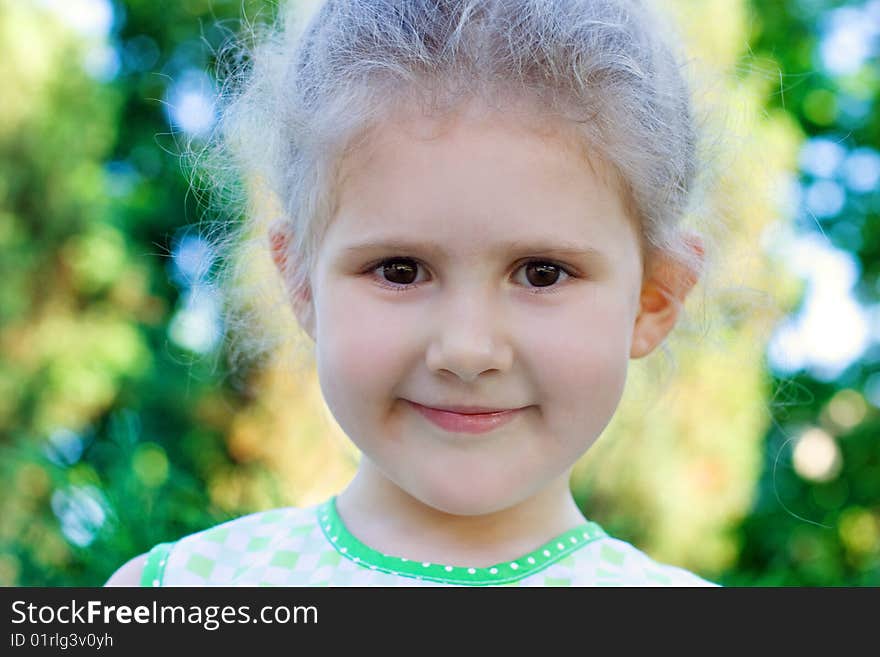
<point x="155" y="582"/>
<point x="529" y="563"/>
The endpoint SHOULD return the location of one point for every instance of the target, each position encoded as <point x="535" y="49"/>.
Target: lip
<point x="476" y="419"/>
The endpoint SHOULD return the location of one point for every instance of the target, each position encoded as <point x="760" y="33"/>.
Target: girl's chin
<point x="464" y="501"/>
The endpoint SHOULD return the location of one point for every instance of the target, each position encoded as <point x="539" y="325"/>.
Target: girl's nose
<point x="469" y="339"/>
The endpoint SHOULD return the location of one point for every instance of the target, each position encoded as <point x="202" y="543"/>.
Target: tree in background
<point x="816" y="517"/>
<point x="112" y="433"/>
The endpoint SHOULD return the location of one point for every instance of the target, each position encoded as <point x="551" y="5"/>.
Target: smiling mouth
<point x="469" y="422"/>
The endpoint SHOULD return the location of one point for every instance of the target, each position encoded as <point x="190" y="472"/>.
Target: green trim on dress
<point x="501" y="573"/>
<point x="154" y="568"/>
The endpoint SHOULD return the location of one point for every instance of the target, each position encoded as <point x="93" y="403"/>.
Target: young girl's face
<point x="483" y="266"/>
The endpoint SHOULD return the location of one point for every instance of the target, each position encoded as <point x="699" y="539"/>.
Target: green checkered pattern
<point x="312" y="547"/>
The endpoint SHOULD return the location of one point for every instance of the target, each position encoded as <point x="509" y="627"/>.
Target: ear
<point x="663" y="293"/>
<point x="300" y="300"/>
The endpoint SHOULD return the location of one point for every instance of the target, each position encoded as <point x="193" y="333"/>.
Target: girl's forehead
<point x="412" y="170"/>
<point x="412" y="155"/>
<point x="475" y="190"/>
<point x="519" y="121"/>
<point x="420" y="150"/>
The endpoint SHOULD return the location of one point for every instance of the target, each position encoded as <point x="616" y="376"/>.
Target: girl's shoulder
<point x="622" y="563"/>
<point x="217" y="554"/>
<point x="129" y="573"/>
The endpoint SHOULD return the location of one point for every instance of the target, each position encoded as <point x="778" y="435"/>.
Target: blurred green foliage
<point x="110" y="432"/>
<point x="115" y="436"/>
<point x="825" y="529"/>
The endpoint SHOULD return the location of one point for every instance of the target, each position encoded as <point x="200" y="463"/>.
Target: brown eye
<point x="400" y="271"/>
<point x="542" y="274"/>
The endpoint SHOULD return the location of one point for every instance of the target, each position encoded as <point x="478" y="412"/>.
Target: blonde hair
<point x="313" y="84"/>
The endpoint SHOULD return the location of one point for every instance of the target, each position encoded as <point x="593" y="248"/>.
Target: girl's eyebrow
<point x="516" y="247"/>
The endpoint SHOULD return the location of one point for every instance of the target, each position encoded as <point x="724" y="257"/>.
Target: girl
<point x="481" y="204"/>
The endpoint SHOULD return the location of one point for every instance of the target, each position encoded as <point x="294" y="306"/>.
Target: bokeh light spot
<point x="846" y="409"/>
<point x="150" y="464"/>
<point x="817" y="456"/>
<point x="859" y="531"/>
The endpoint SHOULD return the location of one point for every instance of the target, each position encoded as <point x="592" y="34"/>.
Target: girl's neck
<point x="387" y="519"/>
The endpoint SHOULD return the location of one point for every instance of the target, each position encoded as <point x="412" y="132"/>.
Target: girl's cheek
<point x="360" y="342"/>
<point x="583" y="356"/>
